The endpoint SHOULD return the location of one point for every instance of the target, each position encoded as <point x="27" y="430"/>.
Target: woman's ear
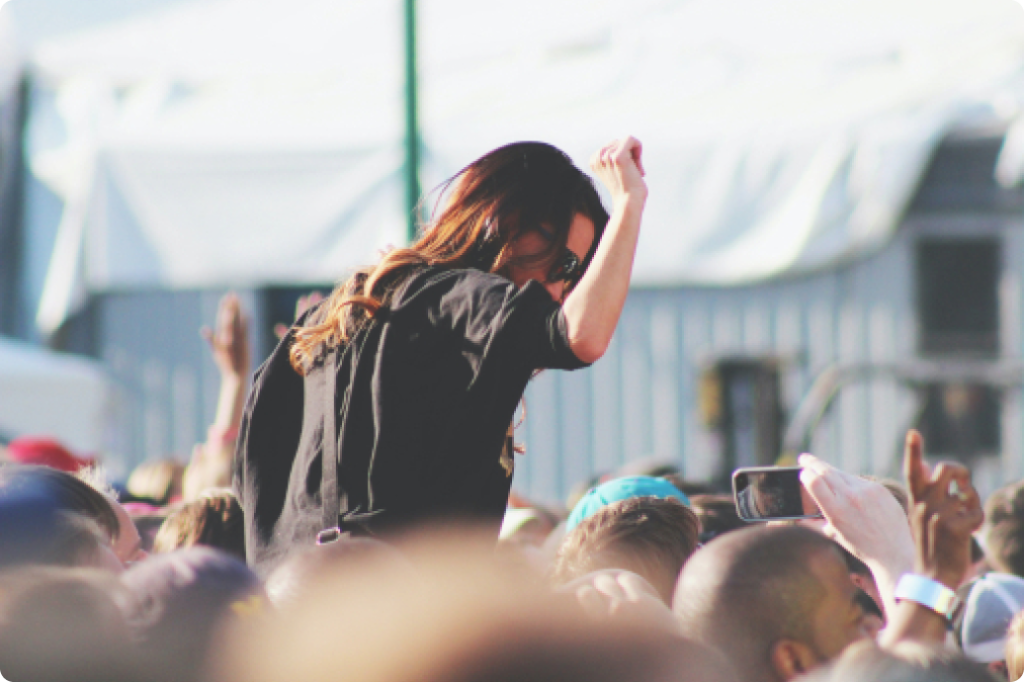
<point x="791" y="659"/>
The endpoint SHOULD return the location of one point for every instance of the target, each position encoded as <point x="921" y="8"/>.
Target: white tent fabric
<point x="229" y="142"/>
<point x="43" y="393"/>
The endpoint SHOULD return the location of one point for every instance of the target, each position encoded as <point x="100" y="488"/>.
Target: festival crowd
<point x="643" y="575"/>
<point x="176" y="575"/>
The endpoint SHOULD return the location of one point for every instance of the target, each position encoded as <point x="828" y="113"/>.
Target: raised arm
<point x="593" y="308"/>
<point x="866" y="520"/>
<point x="210" y="465"/>
<point x="229" y="344"/>
<point x="945" y="512"/>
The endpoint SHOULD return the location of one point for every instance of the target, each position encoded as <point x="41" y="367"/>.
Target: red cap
<point x="46" y="452"/>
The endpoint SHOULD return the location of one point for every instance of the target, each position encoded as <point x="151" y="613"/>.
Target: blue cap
<point x="622" y="489"/>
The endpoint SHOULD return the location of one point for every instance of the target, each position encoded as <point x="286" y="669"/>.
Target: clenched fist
<point x="620" y="168"/>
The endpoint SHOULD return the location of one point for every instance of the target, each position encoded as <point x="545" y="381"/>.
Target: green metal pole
<point x="412" y="135"/>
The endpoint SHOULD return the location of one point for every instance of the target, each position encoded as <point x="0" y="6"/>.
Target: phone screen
<point x="763" y="494"/>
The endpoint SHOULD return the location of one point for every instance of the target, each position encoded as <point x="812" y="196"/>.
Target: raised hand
<point x="619" y="166"/>
<point x="945" y="511"/>
<point x="865" y="519"/>
<point x="230" y="342"/>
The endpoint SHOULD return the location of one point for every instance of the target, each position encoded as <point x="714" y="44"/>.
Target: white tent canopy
<point x="62" y="396"/>
<point x="230" y="142"/>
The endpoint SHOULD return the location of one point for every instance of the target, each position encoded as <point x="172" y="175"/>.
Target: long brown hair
<point x="521" y="187"/>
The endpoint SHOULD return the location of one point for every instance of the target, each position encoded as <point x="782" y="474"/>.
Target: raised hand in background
<point x="210" y="465"/>
<point x="945" y="512"/>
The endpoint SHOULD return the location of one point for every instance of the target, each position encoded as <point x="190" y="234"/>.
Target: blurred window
<point x="957" y="286"/>
<point x="740" y="399"/>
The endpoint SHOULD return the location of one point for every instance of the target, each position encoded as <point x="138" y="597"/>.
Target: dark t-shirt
<point x="425" y="396"/>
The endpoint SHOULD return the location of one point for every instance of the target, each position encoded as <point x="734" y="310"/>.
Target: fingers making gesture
<point x="945" y="511"/>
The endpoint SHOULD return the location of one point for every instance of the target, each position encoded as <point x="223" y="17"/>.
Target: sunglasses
<point x="567" y="268"/>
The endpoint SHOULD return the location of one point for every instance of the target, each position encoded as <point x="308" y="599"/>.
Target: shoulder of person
<point x="433" y="282"/>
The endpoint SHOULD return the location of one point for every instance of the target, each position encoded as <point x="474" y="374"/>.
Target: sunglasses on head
<point x="567" y="268"/>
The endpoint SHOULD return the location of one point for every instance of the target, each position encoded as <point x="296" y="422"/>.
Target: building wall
<point x="639" y="401"/>
<point x="166" y="383"/>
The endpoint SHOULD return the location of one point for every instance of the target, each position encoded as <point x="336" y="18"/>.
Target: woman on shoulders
<point x="430" y="350"/>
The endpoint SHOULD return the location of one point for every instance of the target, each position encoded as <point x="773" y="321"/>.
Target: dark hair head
<point x="214" y="520"/>
<point x="64" y="491"/>
<point x="751" y="588"/>
<point x="34" y="531"/>
<point x="650" y="536"/>
<point x="50" y="517"/>
<point x="717" y="515"/>
<point x="519" y="188"/>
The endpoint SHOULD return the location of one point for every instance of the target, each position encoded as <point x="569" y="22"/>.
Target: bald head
<point x="753" y="588"/>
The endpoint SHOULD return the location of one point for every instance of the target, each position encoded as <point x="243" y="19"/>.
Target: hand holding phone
<point x="772" y="494"/>
<point x="864" y="518"/>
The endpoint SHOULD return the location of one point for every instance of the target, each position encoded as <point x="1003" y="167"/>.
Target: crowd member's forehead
<point x="829" y="566"/>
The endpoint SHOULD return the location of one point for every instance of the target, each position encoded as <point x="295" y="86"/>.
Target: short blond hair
<point x="650" y="536"/>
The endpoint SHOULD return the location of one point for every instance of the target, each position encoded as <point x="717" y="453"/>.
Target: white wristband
<point x="928" y="593"/>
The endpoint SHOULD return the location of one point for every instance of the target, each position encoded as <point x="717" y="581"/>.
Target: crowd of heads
<point x="642" y="577"/>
